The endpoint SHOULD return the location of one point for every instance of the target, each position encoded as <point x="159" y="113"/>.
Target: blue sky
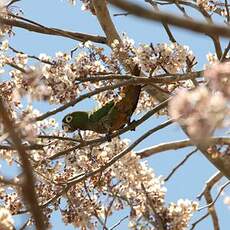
<point x="189" y="180"/>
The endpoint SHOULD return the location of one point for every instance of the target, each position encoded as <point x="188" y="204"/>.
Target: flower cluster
<point x="4" y="29"/>
<point x="128" y="181"/>
<point x="145" y="192"/>
<point x="3" y="54"/>
<point x="72" y="2"/>
<point x="7" y="90"/>
<point x="180" y="213"/>
<point x="126" y="178"/>
<point x="212" y="58"/>
<point x="207" y="5"/>
<point x="25" y="123"/>
<point x="82" y="208"/>
<point x="87" y="5"/>
<point x="60" y="79"/>
<point x="227" y="200"/>
<point x="12" y="201"/>
<point x="214" y="6"/>
<point x="25" y="80"/>
<point x="6" y="220"/>
<point x="219" y="77"/>
<point x="57" y="79"/>
<point x="204" y="109"/>
<point x="171" y="58"/>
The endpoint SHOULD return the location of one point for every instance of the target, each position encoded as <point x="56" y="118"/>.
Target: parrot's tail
<point x="130" y="95"/>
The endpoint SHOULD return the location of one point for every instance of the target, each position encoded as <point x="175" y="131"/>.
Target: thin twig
<point x="217" y="196"/>
<point x="159" y="221"/>
<point x="121" y="14"/>
<point x="90" y="94"/>
<point x="210" y="183"/>
<point x="227" y="10"/>
<point x="118" y="223"/>
<point x="225" y="53"/>
<point x="58" y="138"/>
<point x="161" y="78"/>
<point x="165" y="25"/>
<point x="31" y="56"/>
<point x="179" y="165"/>
<point x="26" y="147"/>
<point x="95" y="211"/>
<point x="24" y="226"/>
<point x="199" y="220"/>
<point x="16" y="67"/>
<point x="107" y="212"/>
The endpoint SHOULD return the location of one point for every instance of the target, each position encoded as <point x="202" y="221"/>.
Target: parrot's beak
<point x="66" y="127"/>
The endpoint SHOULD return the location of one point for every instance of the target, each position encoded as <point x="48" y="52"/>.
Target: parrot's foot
<point x="92" y="158"/>
<point x="81" y="138"/>
<point x="131" y="123"/>
<point x="108" y="137"/>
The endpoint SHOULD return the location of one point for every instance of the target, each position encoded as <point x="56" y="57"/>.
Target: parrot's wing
<point x="102" y="112"/>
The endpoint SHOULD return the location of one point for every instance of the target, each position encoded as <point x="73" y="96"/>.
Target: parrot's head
<point x="74" y="121"/>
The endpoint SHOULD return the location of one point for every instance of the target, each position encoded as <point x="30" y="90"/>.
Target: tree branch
<point x="208" y="197"/>
<point x="112" y="34"/>
<point x="52" y="31"/>
<point x="161" y="78"/>
<point x="199" y="220"/>
<point x="179" y="165"/>
<point x="28" y="186"/>
<point x="85" y="175"/>
<point x="185" y="23"/>
<point x="178" y="145"/>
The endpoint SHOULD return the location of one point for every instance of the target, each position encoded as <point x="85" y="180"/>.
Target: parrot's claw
<point x="108" y="137"/>
<point x="81" y="138"/>
<point x="131" y="123"/>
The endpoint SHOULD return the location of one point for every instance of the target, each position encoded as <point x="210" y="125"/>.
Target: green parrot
<point x="112" y="116"/>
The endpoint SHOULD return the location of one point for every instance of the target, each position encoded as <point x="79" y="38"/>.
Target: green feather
<point x="76" y="120"/>
<point x="102" y="112"/>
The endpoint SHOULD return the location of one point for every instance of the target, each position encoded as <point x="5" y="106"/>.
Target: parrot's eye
<point x="68" y="119"/>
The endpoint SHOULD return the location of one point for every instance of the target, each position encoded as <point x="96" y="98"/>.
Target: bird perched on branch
<point x="114" y="115"/>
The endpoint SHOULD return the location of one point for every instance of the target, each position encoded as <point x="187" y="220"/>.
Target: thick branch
<point x="174" y="145"/>
<point x="52" y="31"/>
<point x="105" y="21"/>
<point x="208" y="197"/>
<point x="111" y="33"/>
<point x="28" y="187"/>
<point x="161" y="78"/>
<point x="185" y="23"/>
